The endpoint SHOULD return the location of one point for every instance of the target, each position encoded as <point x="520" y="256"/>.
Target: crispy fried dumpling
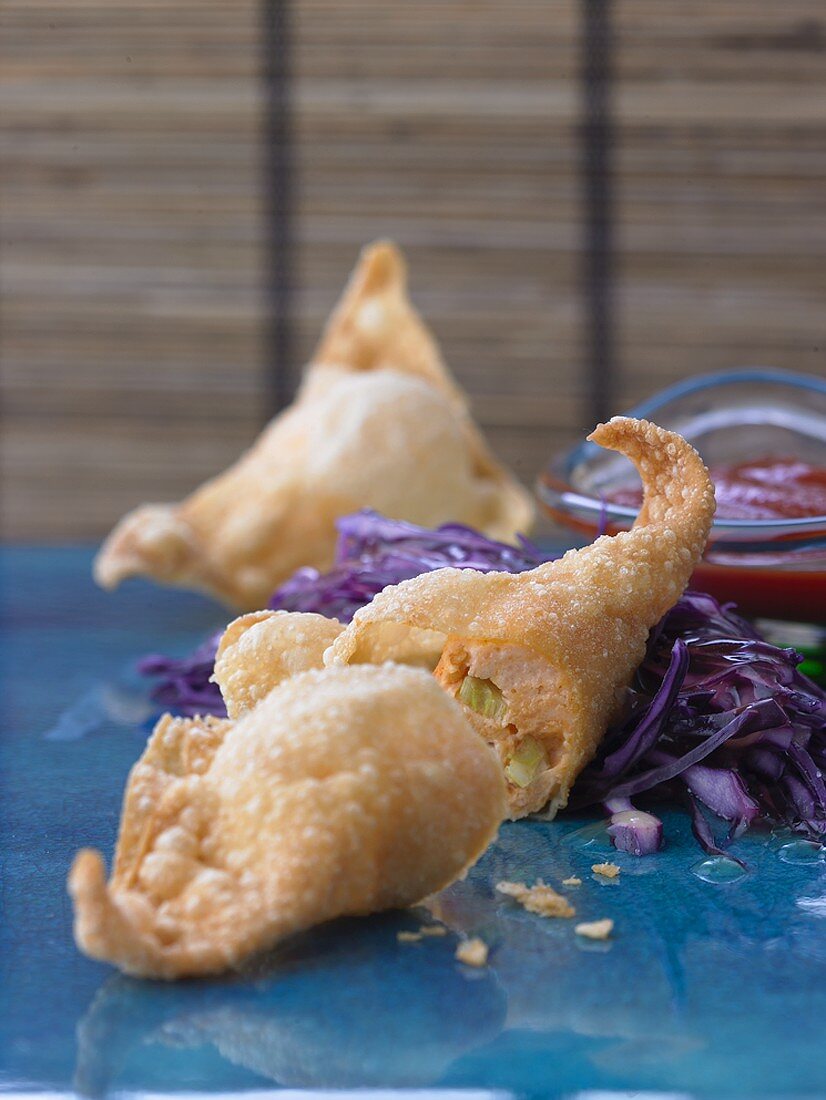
<point x="339" y="794"/>
<point x="541" y="660"/>
<point x="375" y="327"/>
<point x="378" y="423"/>
<point x="261" y="649"/>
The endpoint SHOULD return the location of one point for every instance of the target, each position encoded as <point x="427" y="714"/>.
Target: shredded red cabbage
<point x="716" y="717"/>
<point x="722" y="721"/>
<point x="373" y="552"/>
<point x="184" y="682"/>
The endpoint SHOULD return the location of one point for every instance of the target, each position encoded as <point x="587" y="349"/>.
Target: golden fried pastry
<point x="378" y="423"/>
<point x="541" y="660"/>
<point x="259" y="650"/>
<point x="375" y="327"/>
<point x="337" y="795"/>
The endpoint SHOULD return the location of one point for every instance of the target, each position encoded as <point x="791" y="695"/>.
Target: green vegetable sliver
<point x="523" y="766"/>
<point x="484" y="697"/>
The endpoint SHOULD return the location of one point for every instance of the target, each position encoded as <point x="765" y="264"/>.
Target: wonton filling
<point x="516" y="701"/>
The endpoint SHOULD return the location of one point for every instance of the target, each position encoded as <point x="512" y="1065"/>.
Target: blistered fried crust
<point x="375" y="327"/>
<point x="259" y="650"/>
<point x="177" y="748"/>
<point x="587" y="615"/>
<point x="337" y="795"/>
<point x="378" y="422"/>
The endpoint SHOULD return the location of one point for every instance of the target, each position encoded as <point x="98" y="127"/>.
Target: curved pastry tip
<point x="102" y="930"/>
<point x="87" y="878"/>
<point x="93" y="906"/>
<point x="628" y="431"/>
<point x="153" y="540"/>
<point x="675" y="481"/>
<point x="381" y="263"/>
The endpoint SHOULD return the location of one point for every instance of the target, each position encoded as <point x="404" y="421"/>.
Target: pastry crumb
<point x="540" y="898"/>
<point x="473" y="952"/>
<point x="607" y="870"/>
<point x="595" y="929"/>
<point x="408" y="937"/>
<point x="572" y="881"/>
<point x="432" y="930"/>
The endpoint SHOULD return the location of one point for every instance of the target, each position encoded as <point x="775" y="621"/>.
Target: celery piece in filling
<point x="523" y="766"/>
<point x="484" y="697"/>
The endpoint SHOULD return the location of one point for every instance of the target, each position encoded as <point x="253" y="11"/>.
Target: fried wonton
<point x="541" y="660"/>
<point x="378" y="422"/>
<point x="344" y="792"/>
<point x="259" y="650"/>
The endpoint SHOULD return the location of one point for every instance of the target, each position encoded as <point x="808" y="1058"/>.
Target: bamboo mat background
<point x="135" y="340"/>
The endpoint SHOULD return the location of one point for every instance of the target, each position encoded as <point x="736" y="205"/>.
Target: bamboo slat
<point x="133" y="340"/>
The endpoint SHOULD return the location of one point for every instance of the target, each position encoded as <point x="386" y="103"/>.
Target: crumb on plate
<point x="539" y="898"/>
<point x="607" y="870"/>
<point x="572" y="881"/>
<point x="408" y="937"/>
<point x="432" y="930"/>
<point x="473" y="952"/>
<point x="595" y="929"/>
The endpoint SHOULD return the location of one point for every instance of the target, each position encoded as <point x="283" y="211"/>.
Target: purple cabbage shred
<point x="720" y="720"/>
<point x="184" y="682"/>
<point x="373" y="552"/>
<point x="716" y="718"/>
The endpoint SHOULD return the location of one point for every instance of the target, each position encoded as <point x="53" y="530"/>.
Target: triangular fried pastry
<point x="337" y="795"/>
<point x="375" y="327"/>
<point x="541" y="660"/>
<point x="378" y="422"/>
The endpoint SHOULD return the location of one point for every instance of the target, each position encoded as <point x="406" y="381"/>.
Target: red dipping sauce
<point x="764" y="488"/>
<point x="790" y="584"/>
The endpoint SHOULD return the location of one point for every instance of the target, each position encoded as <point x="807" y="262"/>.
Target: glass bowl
<point x="772" y="568"/>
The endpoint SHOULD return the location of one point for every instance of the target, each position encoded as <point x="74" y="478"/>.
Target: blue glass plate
<point x="708" y="989"/>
